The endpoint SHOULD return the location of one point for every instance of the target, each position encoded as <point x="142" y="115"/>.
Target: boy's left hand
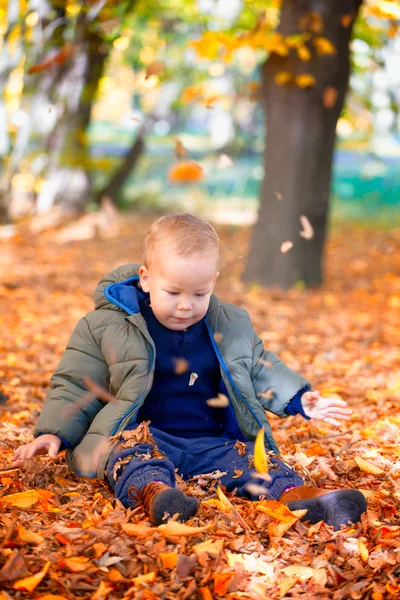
<point x="325" y="409"/>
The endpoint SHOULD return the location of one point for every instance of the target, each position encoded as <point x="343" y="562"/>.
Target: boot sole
<point x="336" y="508"/>
<point x="172" y="501"/>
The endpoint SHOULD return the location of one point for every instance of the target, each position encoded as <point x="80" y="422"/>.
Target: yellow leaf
<point x="286" y="585"/>
<point x="303" y="53"/>
<point x="216" y="504"/>
<point x="363" y="550"/>
<point x="364" y="465"/>
<point x="214" y="548"/>
<point x="28" y="536"/>
<point x="148" y="578"/>
<point x="301" y="572"/>
<point x="323" y="46"/>
<point x="305" y="80"/>
<point x="169" y="559"/>
<point x="282" y="78"/>
<point x="138" y="529"/>
<point x="260" y="455"/>
<point x="28" y="584"/>
<point x="22" y="499"/>
<point x="174" y="528"/>
<point x="223" y="499"/>
<point x="47" y="597"/>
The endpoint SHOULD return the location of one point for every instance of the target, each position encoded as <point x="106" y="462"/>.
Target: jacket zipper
<point x="233" y="384"/>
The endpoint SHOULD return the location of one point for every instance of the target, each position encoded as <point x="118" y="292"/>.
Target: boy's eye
<point x="173" y="293"/>
<point x="200" y="295"/>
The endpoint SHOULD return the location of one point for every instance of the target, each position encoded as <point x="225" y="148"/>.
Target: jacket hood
<point x="119" y="291"/>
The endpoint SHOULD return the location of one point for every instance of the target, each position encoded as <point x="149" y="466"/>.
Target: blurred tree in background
<point x="57" y="57"/>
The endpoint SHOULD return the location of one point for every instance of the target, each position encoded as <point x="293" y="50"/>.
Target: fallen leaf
<point x="138" y="529"/>
<point x="102" y="592"/>
<point x="76" y="564"/>
<point x="368" y="467"/>
<point x="143" y="579"/>
<point x="214" y="548"/>
<point x="28" y="584"/>
<point x="174" y="528"/>
<point x="28" y="536"/>
<point x="168" y="559"/>
<point x="221" y="582"/>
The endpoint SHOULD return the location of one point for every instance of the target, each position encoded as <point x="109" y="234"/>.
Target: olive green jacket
<point x="111" y="345"/>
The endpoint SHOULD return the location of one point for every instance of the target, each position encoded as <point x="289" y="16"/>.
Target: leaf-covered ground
<point x="67" y="537"/>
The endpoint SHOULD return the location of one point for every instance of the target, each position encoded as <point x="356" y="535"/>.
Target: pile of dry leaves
<point x="65" y="537"/>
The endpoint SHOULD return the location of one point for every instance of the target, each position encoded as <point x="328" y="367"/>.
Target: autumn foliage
<point x="64" y="537"/>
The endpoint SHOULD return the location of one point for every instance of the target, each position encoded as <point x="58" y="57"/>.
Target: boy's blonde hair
<point x="186" y="234"/>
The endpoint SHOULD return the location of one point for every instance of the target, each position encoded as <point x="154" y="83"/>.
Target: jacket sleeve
<point x="70" y="408"/>
<point x="275" y="384"/>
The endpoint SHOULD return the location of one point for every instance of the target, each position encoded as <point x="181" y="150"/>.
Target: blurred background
<point x="164" y="105"/>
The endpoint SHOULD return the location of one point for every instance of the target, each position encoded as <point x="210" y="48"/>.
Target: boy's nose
<point x="184" y="304"/>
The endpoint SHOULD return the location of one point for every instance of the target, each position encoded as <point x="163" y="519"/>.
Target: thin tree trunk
<point x="301" y="126"/>
<point x="112" y="189"/>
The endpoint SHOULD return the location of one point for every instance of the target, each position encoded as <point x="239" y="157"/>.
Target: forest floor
<point x="65" y="537"/>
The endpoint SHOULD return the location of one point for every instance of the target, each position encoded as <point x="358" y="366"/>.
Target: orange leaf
<point x="76" y="564"/>
<point x="138" y="529"/>
<point x="148" y="578"/>
<point x="102" y="591"/>
<point x="180" y="151"/>
<point x="169" y="559"/>
<point x="330" y="96"/>
<point x="99" y="549"/>
<point x="114" y="574"/>
<point x="49" y="597"/>
<point x="28" y="536"/>
<point x="185" y="172"/>
<point x="323" y="46"/>
<point x="276" y="510"/>
<point x="22" y="499"/>
<point x="221" y="582"/>
<point x="364" y="465"/>
<point x="28" y="584"/>
<point x="304" y="53"/>
<point x="206" y="594"/>
<point x="174" y="528"/>
<point x="214" y="548"/>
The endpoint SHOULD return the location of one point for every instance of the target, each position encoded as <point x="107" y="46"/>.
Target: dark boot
<point x="158" y="498"/>
<point x="334" y="507"/>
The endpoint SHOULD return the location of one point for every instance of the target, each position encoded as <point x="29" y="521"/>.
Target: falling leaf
<point x="304" y="53"/>
<point x="305" y="80"/>
<point x="49" y="109"/>
<point x="168" y="559"/>
<point x="323" y="46"/>
<point x="307" y="232"/>
<point x="136" y="119"/>
<point x="181" y="366"/>
<point x="330" y="96"/>
<point x="278" y="195"/>
<point x="347" y="20"/>
<point x="218" y="337"/>
<point x="180" y="151"/>
<point x="260" y="455"/>
<point x="286" y="246"/>
<point x="282" y="78"/>
<point x="155" y="68"/>
<point x="221" y="402"/>
<point x="257" y="490"/>
<point x="175" y="528"/>
<point x="28" y="584"/>
<point x="224" y="162"/>
<point x="185" y="172"/>
<point x="193" y="377"/>
<point x="269" y="394"/>
<point x="98" y="390"/>
<point x="368" y="467"/>
<point x="238" y="473"/>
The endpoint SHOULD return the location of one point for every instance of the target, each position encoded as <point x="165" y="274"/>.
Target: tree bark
<point x="299" y="146"/>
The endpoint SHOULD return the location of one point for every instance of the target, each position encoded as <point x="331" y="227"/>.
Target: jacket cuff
<point x="295" y="406"/>
<point x="64" y="444"/>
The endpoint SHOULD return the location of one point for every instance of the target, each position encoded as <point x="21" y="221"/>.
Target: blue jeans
<point x="146" y="462"/>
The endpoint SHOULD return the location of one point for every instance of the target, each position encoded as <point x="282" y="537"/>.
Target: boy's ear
<point x="216" y="277"/>
<point x="144" y="278"/>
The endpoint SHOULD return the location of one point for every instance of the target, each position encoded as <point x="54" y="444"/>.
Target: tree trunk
<point x="112" y="189"/>
<point x="301" y="124"/>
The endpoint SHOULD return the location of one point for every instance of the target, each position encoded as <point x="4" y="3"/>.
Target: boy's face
<point x="180" y="288"/>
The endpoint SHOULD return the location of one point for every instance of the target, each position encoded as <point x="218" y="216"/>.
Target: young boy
<point x="165" y="348"/>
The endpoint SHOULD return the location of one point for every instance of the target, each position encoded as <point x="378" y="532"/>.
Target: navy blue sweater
<point x="173" y="405"/>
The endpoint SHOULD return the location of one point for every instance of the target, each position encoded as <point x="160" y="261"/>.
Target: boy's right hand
<point x="44" y="444"/>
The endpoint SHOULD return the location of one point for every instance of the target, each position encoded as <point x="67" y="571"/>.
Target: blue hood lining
<point x="126" y="295"/>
